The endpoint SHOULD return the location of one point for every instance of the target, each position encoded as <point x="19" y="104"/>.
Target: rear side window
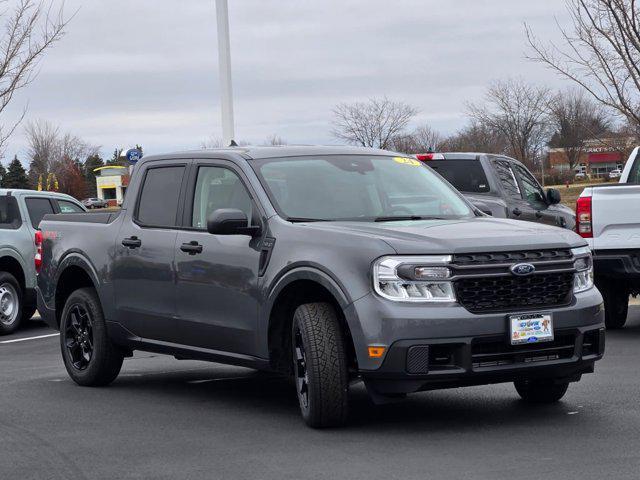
<point x="507" y="178"/>
<point x="9" y="213"/>
<point x="158" y="204"/>
<point x="69" y="207"/>
<point x="465" y="175"/>
<point x="38" y="208"/>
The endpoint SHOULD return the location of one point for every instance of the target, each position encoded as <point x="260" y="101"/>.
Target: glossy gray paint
<point x="217" y="306"/>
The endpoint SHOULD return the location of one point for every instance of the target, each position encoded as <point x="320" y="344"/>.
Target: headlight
<point x="414" y="279"/>
<point x="583" y="263"/>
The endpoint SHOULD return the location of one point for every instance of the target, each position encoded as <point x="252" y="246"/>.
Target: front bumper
<point x="446" y="346"/>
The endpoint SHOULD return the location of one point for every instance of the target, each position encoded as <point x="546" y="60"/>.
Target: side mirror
<point x="553" y="196"/>
<point x="230" y="221"/>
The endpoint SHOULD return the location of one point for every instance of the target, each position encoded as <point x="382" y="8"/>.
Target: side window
<point x="69" y="207"/>
<point x="218" y="187"/>
<point x="158" y="204"/>
<point x="38" y="208"/>
<point x="507" y="178"/>
<point x="9" y="213"/>
<point x="532" y="191"/>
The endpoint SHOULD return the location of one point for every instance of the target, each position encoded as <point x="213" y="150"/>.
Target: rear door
<point x="143" y="272"/>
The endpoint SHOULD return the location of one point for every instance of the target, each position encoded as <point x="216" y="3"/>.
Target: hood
<point x="481" y="234"/>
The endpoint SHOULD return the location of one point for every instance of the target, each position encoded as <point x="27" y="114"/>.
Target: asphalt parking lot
<point x="172" y="419"/>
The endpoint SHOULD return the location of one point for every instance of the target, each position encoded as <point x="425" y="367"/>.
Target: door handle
<point x="191" y="248"/>
<point x="538" y="214"/>
<point x="132" y="242"/>
<point x="517" y="212"/>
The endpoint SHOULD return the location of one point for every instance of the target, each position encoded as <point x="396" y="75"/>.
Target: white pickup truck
<point x="608" y="217"/>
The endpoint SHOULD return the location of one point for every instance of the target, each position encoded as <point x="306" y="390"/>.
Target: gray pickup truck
<point x="20" y="214"/>
<point x="329" y="264"/>
<point x="502" y="187"/>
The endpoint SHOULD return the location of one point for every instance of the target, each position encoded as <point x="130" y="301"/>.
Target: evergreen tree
<point x="3" y="173"/>
<point x="16" y="176"/>
<point x="93" y="162"/>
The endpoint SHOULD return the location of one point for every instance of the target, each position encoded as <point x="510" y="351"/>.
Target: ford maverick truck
<point x="329" y="264"/>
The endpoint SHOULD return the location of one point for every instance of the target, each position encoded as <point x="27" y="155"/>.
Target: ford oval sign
<point x="523" y="269"/>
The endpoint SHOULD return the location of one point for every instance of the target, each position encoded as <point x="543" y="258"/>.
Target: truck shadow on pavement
<point x="243" y="394"/>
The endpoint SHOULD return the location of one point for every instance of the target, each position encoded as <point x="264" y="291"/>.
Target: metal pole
<point x="224" y="62"/>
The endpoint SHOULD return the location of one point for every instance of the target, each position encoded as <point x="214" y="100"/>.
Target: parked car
<point x="581" y="176"/>
<point x="501" y="187"/>
<point x="95" y="203"/>
<point x="20" y="213"/>
<point x="609" y="219"/>
<point x="613" y="174"/>
<point x="330" y="264"/>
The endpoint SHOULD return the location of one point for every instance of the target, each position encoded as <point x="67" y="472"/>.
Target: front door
<point x="217" y="292"/>
<point x="536" y="198"/>
<point x="144" y="274"/>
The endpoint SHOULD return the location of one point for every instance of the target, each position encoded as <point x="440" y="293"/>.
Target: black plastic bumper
<point x="414" y="365"/>
<point x="617" y="264"/>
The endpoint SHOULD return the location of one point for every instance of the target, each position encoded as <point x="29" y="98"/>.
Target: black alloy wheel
<point x="79" y="337"/>
<point x="300" y="366"/>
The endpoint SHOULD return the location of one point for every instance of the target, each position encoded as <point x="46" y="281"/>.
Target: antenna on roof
<point x="233" y="143"/>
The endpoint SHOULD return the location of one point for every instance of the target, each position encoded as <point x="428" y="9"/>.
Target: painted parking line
<point x="16" y="340"/>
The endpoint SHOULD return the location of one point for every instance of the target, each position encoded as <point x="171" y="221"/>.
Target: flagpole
<point x="224" y="63"/>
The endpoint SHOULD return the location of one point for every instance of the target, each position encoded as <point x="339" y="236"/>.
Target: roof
<point x="34" y="193"/>
<point x="108" y="167"/>
<point x="260" y="152"/>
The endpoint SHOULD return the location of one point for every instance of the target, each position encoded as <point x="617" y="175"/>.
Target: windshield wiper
<point x="405" y="217"/>
<point x="303" y="219"/>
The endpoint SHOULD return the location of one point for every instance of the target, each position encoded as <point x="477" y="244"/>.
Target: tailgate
<point x="616" y="217"/>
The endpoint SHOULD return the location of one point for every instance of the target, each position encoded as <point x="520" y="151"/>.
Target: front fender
<point x="296" y="272"/>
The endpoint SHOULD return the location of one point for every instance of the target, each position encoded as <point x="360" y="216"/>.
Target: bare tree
<point x="602" y="53"/>
<point x="574" y="119"/>
<point x="30" y="28"/>
<point x="275" y="140"/>
<point x="51" y="152"/>
<point x="422" y="139"/>
<point x="476" y="137"/>
<point x="516" y="110"/>
<point x="373" y="123"/>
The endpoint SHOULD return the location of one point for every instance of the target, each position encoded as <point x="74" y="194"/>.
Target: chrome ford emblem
<point x="523" y="269"/>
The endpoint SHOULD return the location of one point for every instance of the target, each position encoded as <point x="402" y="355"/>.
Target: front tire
<point x="11" y="304"/>
<point x="91" y="359"/>
<point x="541" y="391"/>
<point x="616" y="303"/>
<point x="320" y="365"/>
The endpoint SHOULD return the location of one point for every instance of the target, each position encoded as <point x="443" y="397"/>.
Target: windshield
<point x="465" y="175"/>
<point x="357" y="187"/>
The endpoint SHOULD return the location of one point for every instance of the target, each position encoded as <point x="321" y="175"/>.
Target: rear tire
<point x="91" y="359"/>
<point x="320" y="365"/>
<point x="10" y="304"/>
<point x="541" y="391"/>
<point x="616" y="303"/>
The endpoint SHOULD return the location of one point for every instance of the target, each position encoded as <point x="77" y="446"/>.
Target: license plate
<point x="531" y="328"/>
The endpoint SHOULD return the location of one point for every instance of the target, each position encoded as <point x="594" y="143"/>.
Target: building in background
<point x="598" y="156"/>
<point x="112" y="182"/>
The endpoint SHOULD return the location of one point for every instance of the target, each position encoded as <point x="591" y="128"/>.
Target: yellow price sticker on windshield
<point x="407" y="161"/>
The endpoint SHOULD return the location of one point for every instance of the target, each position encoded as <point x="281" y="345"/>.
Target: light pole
<point x="224" y="63"/>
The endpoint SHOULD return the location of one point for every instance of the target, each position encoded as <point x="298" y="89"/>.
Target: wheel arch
<point x="299" y="286"/>
<point x="74" y="272"/>
<point x="11" y="263"/>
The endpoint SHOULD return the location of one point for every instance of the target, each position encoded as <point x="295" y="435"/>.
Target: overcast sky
<point x="145" y="71"/>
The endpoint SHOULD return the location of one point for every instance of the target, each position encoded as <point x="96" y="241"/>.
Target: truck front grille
<point x="485" y="284"/>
